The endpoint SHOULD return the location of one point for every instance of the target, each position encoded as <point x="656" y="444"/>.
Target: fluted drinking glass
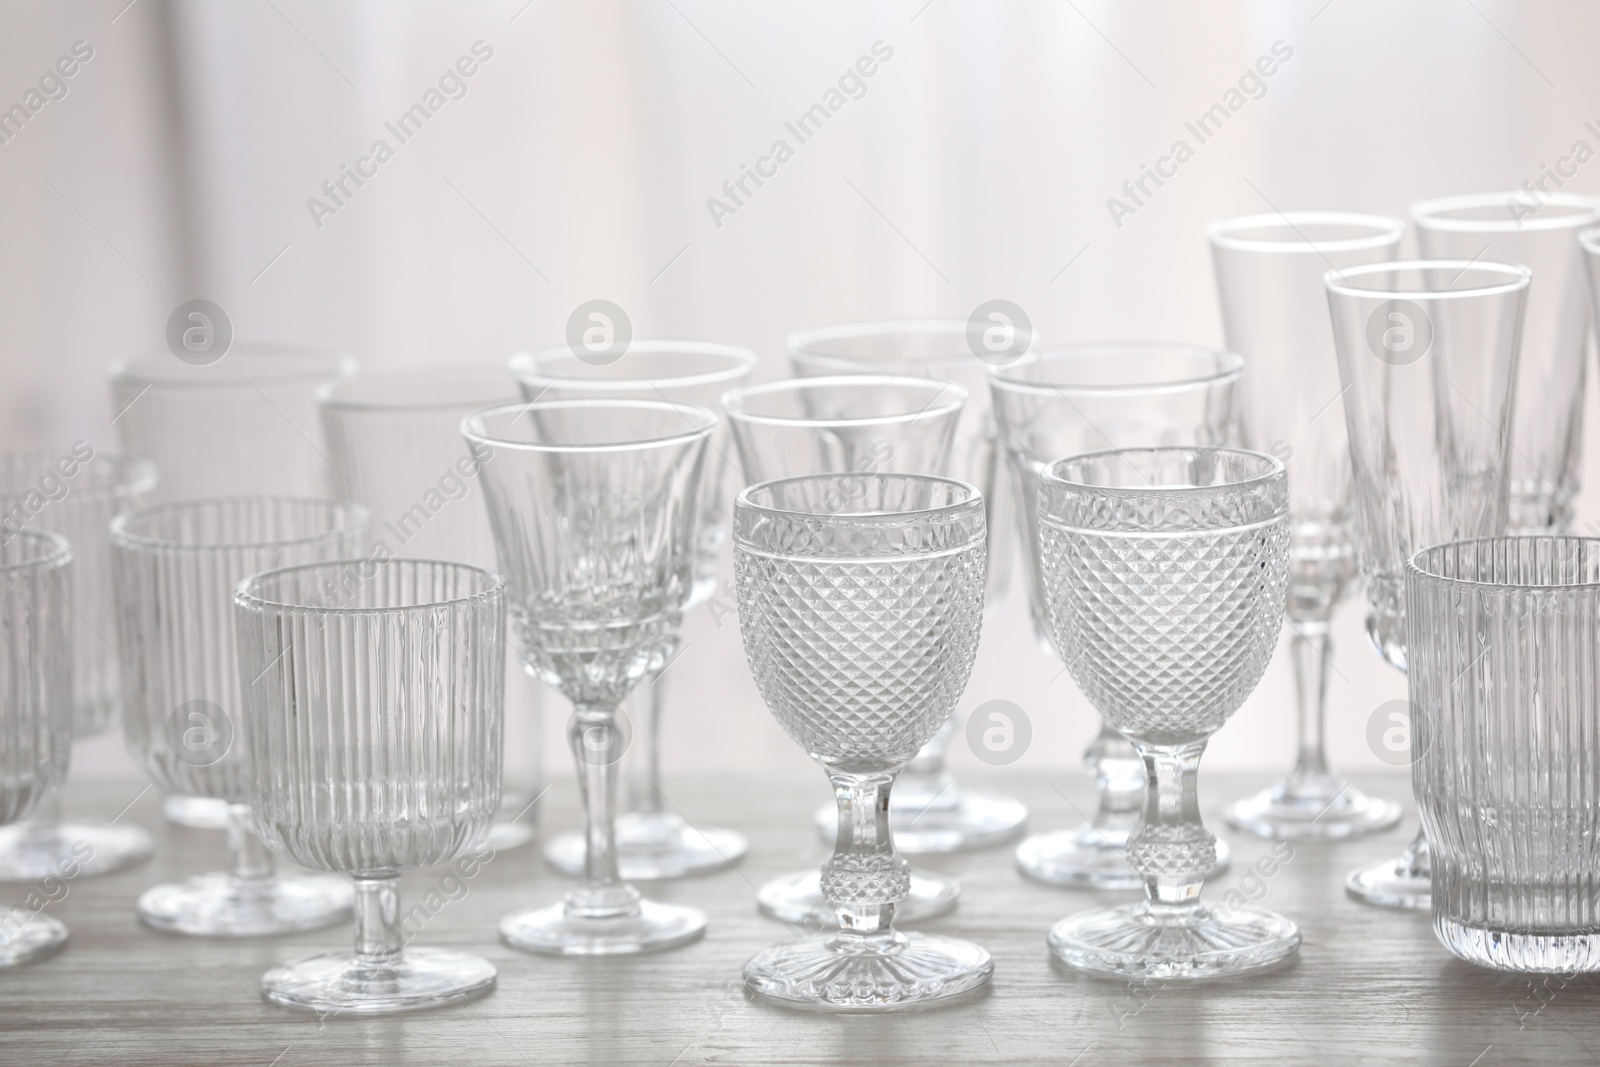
<point x="1427" y="354"/>
<point x="1082" y="398"/>
<point x="1166" y="572"/>
<point x="860" y="605"/>
<point x="594" y="506"/>
<point x="653" y="839"/>
<point x="375" y="733"/>
<point x="1274" y="313"/>
<point x="75" y="492"/>
<point x="174" y="568"/>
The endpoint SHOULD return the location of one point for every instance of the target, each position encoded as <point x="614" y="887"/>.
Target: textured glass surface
<point x="35" y="669"/>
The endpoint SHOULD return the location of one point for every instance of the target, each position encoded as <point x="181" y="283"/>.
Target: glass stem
<point x="1172" y="848"/>
<point x="42" y="827"/>
<point x="250" y="860"/>
<point x="865" y="877"/>
<point x="378" y="936"/>
<point x="1311" y="646"/>
<point x="1119" y="776"/>
<point x="644" y="757"/>
<point x="596" y="744"/>
<point x="1415" y="859"/>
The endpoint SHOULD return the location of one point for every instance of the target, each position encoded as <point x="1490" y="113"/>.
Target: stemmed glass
<point x="174" y="568"/>
<point x="856" y="425"/>
<point x="652" y="841"/>
<point x="594" y="505"/>
<point x="1427" y="354"/>
<point x="934" y="812"/>
<point x="75" y="492"/>
<point x="860" y="605"/>
<point x="1547" y="424"/>
<point x="1274" y="313"/>
<point x="1081" y="398"/>
<point x="374" y="725"/>
<point x="1165" y="571"/>
<point x="36" y="715"/>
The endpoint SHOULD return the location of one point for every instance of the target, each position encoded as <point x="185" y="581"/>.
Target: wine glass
<point x="860" y="605"/>
<point x="1165" y="571"/>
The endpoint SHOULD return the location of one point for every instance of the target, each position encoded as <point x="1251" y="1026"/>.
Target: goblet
<point x="1274" y="313"/>
<point x="174" y="568"/>
<point x="860" y="604"/>
<point x="952" y="817"/>
<point x="1427" y="355"/>
<point x="1083" y="398"/>
<point x="856" y="425"/>
<point x="396" y="434"/>
<point x="75" y="492"/>
<point x="1547" y="422"/>
<point x="36" y="716"/>
<point x="374" y="727"/>
<point x="653" y="841"/>
<point x="594" y="505"/>
<point x="1166" y="571"/>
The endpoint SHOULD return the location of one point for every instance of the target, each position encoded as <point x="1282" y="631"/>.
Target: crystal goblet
<point x="1166" y="571"/>
<point x="860" y="605"/>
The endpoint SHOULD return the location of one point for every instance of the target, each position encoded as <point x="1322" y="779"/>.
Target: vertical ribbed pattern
<point x="375" y="726"/>
<point x="35" y="670"/>
<point x="1503" y="643"/>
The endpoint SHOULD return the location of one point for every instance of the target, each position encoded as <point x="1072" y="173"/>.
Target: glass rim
<point x="973" y="501"/>
<point x="1517" y="277"/>
<point x="349" y="516"/>
<point x="800" y="344"/>
<point x="1387" y="230"/>
<point x="330" y="394"/>
<point x="1412" y="564"/>
<point x="320" y="362"/>
<point x="244" y="595"/>
<point x="134" y="474"/>
<point x="1589" y="240"/>
<point x="1429" y="214"/>
<point x="938" y="386"/>
<point x="1275" y="469"/>
<point x="523" y="366"/>
<point x="54" y="550"/>
<point x="473" y="429"/>
<point x="1230" y="365"/>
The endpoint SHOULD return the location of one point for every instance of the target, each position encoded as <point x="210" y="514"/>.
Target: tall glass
<point x="1427" y="354"/>
<point x="1084" y="398"/>
<point x="653" y="840"/>
<point x="1547" y="425"/>
<point x="1274" y="314"/>
<point x="76" y="492"/>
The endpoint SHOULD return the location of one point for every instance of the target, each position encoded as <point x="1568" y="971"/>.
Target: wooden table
<point x="1370" y="986"/>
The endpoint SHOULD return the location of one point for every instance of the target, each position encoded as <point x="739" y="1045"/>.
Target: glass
<point x="1275" y="314"/>
<point x="1502" y="638"/>
<point x="653" y="841"/>
<point x="954" y="817"/>
<point x="1427" y="354"/>
<point x="594" y="506"/>
<point x="358" y="766"/>
<point x="36" y="714"/>
<point x="860" y="604"/>
<point x="1547" y="424"/>
<point x="1084" y="398"/>
<point x="1166" y="571"/>
<point x="862" y="425"/>
<point x="396" y="434"/>
<point x="174" y="568"/>
<point x="75" y="492"/>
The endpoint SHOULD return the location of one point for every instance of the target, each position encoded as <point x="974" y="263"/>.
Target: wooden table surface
<point x="1370" y="986"/>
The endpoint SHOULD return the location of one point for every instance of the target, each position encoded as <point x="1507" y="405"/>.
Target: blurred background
<point x="186" y="158"/>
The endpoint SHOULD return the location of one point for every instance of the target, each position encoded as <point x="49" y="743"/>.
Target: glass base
<point x="1089" y="858"/>
<point x="504" y="836"/>
<point x="858" y="974"/>
<point x="1325" y="810"/>
<point x="26" y="936"/>
<point x="558" y="930"/>
<point x="797" y="898"/>
<point x="1132" y="940"/>
<point x="341" y="982"/>
<point x="1391" y="884"/>
<point x="197" y="813"/>
<point x="220" y="905"/>
<point x="654" y="846"/>
<point x="30" y="852"/>
<point x="1506" y="951"/>
<point x="976" y="820"/>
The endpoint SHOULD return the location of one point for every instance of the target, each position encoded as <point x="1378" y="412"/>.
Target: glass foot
<point x="30" y="852"/>
<point x="26" y="936"/>
<point x="654" y="846"/>
<point x="197" y="813"/>
<point x="1391" y="884"/>
<point x="1090" y="858"/>
<point x="862" y="974"/>
<point x="1300" y="812"/>
<point x="504" y="836"/>
<point x="797" y="898"/>
<point x="1131" y="940"/>
<point x="221" y="905"/>
<point x="922" y="825"/>
<point x="341" y="982"/>
<point x="559" y="930"/>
